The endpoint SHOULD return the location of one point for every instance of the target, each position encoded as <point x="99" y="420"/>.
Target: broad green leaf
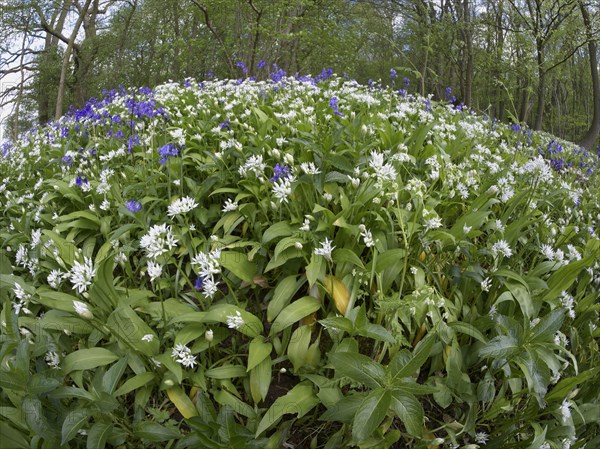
<point x="113" y="375"/>
<point x="88" y="359"/>
<point x="521" y="293"/>
<point x="239" y="265"/>
<point x="224" y="397"/>
<point x="370" y="414"/>
<point x="130" y="329"/>
<point x="468" y="329"/>
<point x="98" y="435"/>
<point x="299" y="401"/>
<point x="258" y="351"/>
<point x="74" y="421"/>
<point x="547" y="327"/>
<point x="564" y="277"/>
<point x="12" y="438"/>
<point x="315" y="270"/>
<point x="500" y="347"/>
<point x="563" y="388"/>
<point x="56" y="300"/>
<point x="155" y="432"/>
<point x="359" y="368"/>
<point x="103" y="293"/>
<point x="376" y="332"/>
<point x="294" y="313"/>
<point x="298" y="346"/>
<point x="285" y="290"/>
<point x="260" y="380"/>
<point x="226" y="372"/>
<point x="345" y="409"/>
<point x="277" y="230"/>
<point x="183" y="403"/>
<point x="135" y="382"/>
<point x="404" y="368"/>
<point x="345" y="255"/>
<point x="410" y="411"/>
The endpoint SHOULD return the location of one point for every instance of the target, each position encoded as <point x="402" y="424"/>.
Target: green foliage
<point x="244" y="267"/>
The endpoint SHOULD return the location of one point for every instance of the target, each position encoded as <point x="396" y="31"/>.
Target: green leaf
<point x="299" y="401"/>
<point x="137" y="381"/>
<point x="279" y="229"/>
<point x="129" y="328"/>
<point x="410" y="411"/>
<point x="547" y="327"/>
<point x="113" y="375"/>
<point x="98" y="435"/>
<point x="226" y="372"/>
<point x="221" y="313"/>
<point x="74" y="421"/>
<point x="500" y="347"/>
<point x="258" y="351"/>
<point x="12" y="438"/>
<point x="153" y="431"/>
<point x="294" y="313"/>
<point x="468" y="329"/>
<point x="239" y="265"/>
<point x="523" y="297"/>
<point x="399" y="367"/>
<point x="260" y="380"/>
<point x="564" y="277"/>
<point x="298" y="346"/>
<point x="370" y="414"/>
<point x="282" y="295"/>
<point x="88" y="359"/>
<point x="345" y="409"/>
<point x="563" y="388"/>
<point x="359" y="368"/>
<point x="103" y="293"/>
<point x="315" y="270"/>
<point x="345" y="255"/>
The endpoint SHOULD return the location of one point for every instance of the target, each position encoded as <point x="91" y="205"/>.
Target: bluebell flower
<point x="6" y="147"/>
<point x="132" y="141"/>
<point x="210" y="74"/>
<point x="406" y="83"/>
<point x="242" y="66"/>
<point x="199" y="284"/>
<point x="402" y="92"/>
<point x="427" y="103"/>
<point x="333" y="103"/>
<point x="280" y="171"/>
<point x="278" y="75"/>
<point x="81" y="180"/>
<point x="393" y="74"/>
<point x="67" y="160"/>
<point x="133" y="206"/>
<point x="167" y="151"/>
<point x="449" y="97"/>
<point x="515" y="127"/>
<point x="64" y="132"/>
<point x="226" y="125"/>
<point x="261" y="64"/>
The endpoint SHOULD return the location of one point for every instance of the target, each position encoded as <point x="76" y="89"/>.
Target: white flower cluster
<point x="282" y="188"/>
<point x="254" y="164"/>
<point x="235" y="321"/>
<point x="81" y="274"/>
<point x="366" y="235"/>
<point x="181" y="206"/>
<point x="207" y="265"/>
<point x="325" y="250"/>
<point x="183" y="355"/>
<point x="158" y="240"/>
<point x="383" y="171"/>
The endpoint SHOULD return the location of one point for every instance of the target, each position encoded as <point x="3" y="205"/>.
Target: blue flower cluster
<point x="167" y="151"/>
<point x="280" y="171"/>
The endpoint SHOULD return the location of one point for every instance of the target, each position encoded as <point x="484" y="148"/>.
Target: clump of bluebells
<point x="314" y="260"/>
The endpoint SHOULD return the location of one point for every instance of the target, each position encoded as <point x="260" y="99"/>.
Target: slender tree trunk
<point x="541" y="90"/>
<point x="60" y="97"/>
<point x="590" y="137"/>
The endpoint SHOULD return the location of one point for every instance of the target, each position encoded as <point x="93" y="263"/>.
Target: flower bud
<point x="209" y="335"/>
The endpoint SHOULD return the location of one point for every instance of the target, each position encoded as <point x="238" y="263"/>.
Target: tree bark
<point x="541" y="90"/>
<point x="60" y="97"/>
<point x="590" y="137"/>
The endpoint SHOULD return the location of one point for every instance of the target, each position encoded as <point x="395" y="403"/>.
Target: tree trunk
<point x="590" y="137"/>
<point x="541" y="90"/>
<point x="60" y="97"/>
